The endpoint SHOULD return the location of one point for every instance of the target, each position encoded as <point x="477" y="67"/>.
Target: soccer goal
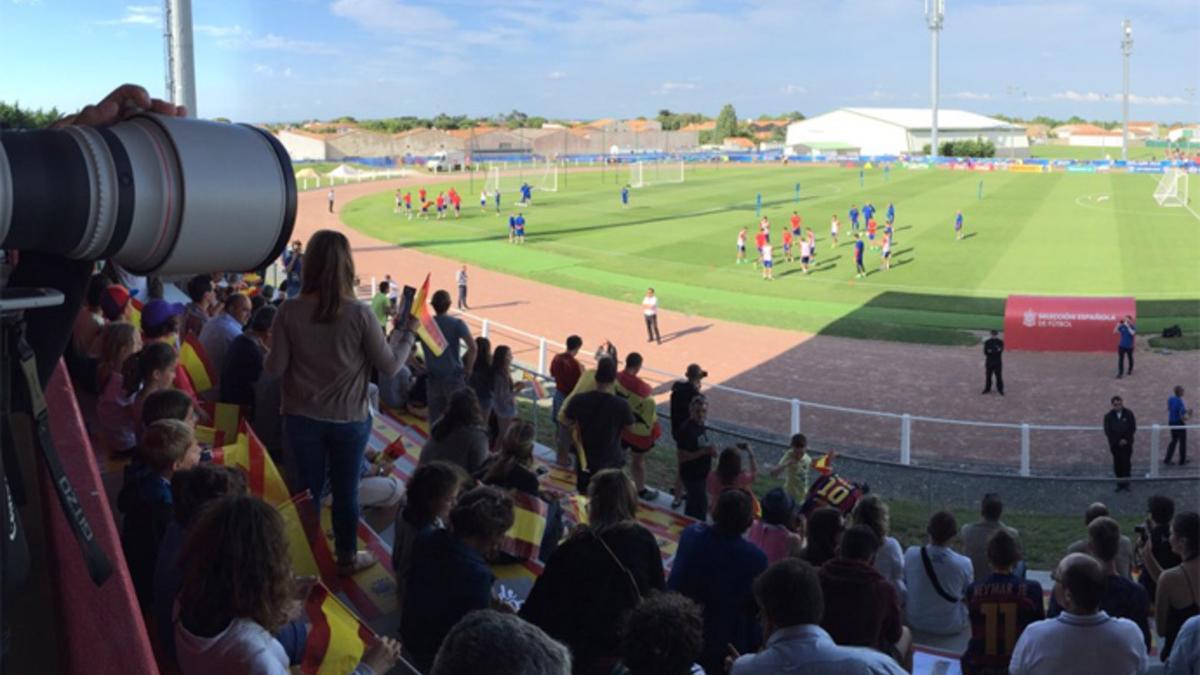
<point x="642" y="174"/>
<point x="492" y="184"/>
<point x="544" y="177"/>
<point x="1172" y="188"/>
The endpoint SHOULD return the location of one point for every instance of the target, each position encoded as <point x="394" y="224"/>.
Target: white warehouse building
<point x="895" y="131"/>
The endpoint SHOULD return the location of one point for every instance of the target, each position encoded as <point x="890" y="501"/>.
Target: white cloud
<point x="1079" y="97"/>
<point x="392" y="16"/>
<point x="138" y="15"/>
<point x="219" y="31"/>
<point x="262" y="69"/>
<point x="556" y="75"/>
<point x="968" y="96"/>
<point x="287" y="72"/>
<point x="791" y="89"/>
<point x="678" y="86"/>
<point x="1159" y="100"/>
<point x="1136" y="99"/>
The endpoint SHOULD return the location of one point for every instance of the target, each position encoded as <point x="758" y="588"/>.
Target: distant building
<point x="895" y="131"/>
<point x="304" y="145"/>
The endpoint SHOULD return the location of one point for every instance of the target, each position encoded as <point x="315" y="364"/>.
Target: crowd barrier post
<point x="906" y="439"/>
<point x="1025" y="471"/>
<point x="795" y="416"/>
<point x="483" y="330"/>
<point x="541" y="356"/>
<point x="1155" y="434"/>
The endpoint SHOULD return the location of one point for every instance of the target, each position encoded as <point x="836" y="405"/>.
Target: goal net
<point x="642" y="174"/>
<point x="543" y="177"/>
<point x="1172" y="188"/>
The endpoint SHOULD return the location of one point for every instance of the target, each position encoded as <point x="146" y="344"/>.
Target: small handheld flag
<point x="428" y="330"/>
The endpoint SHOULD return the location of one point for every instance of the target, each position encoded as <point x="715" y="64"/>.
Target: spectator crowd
<point x="762" y="581"/>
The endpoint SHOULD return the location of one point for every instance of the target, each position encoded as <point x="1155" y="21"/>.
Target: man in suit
<point x="993" y="347"/>
<point x="1119" y="427"/>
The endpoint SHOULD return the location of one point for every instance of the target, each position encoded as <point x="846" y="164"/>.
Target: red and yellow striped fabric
<point x="824" y="466"/>
<point x="195" y="362"/>
<point x="312" y="556"/>
<point x="248" y="454"/>
<point x="524" y="539"/>
<point x="224" y="421"/>
<point x="428" y="330"/>
<point x="135" y="313"/>
<point x="337" y="639"/>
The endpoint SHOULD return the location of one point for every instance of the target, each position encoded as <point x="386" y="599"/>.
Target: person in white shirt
<point x="650" y="310"/>
<point x="460" y="278"/>
<point x="889" y="559"/>
<point x="331" y="200"/>
<point x="937" y="578"/>
<point x="833" y="232"/>
<point x="768" y="262"/>
<point x="790" y="604"/>
<point x="1083" y="639"/>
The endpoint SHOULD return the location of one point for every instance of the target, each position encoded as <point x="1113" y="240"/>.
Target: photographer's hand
<point x="123" y="102"/>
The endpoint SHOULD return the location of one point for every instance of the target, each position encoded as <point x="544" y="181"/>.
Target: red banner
<point x="1064" y="323"/>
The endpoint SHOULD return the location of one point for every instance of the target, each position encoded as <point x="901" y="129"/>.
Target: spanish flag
<point x="337" y="640"/>
<point x="824" y="466"/>
<point x="535" y="384"/>
<point x="135" y="313"/>
<point x="311" y="554"/>
<point x="248" y="454"/>
<point x="428" y="330"/>
<point x="645" y="429"/>
<point x="524" y="539"/>
<point x="195" y="362"/>
<point x="224" y="422"/>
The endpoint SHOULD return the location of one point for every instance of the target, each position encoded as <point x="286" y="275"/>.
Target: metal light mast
<point x="1126" y="50"/>
<point x="935" y="13"/>
<point x="181" y="69"/>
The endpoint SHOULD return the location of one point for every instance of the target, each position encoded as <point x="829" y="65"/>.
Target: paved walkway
<point x="1066" y="389"/>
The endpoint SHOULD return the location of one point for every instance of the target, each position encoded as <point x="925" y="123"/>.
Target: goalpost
<point x="1172" y="188"/>
<point x="642" y="174"/>
<point x="545" y="178"/>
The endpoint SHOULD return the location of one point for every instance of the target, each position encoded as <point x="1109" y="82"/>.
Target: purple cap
<point x="158" y="312"/>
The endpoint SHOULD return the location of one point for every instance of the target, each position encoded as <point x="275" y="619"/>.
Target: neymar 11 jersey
<point x="1000" y="607"/>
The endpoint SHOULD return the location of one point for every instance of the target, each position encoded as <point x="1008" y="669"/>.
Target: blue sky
<point x="275" y="60"/>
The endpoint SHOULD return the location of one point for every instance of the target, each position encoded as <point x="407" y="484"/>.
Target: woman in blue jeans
<point x="324" y="345"/>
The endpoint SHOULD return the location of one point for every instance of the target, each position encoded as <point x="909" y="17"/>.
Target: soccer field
<point x="1059" y="233"/>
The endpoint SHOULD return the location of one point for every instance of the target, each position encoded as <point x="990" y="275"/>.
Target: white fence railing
<point x="933" y="437"/>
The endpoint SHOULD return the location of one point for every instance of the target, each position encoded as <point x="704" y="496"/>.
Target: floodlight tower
<point x="1126" y="50"/>
<point x="935" y="13"/>
<point x="181" y="69"/>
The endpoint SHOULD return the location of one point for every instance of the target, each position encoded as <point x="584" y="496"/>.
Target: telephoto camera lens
<point x="162" y="195"/>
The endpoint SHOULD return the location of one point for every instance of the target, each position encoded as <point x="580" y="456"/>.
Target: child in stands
<point x="431" y="493"/>
<point x="729" y="474"/>
<point x="237" y="589"/>
<point x="794" y="465"/>
<point x="150" y="370"/>
<point x="145" y="499"/>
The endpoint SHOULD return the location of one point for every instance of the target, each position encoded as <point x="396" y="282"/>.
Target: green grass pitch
<point x="1059" y="233"/>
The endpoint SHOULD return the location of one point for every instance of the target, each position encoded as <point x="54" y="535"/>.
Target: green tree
<point x="535" y="122"/>
<point x="12" y="115"/>
<point x="779" y="134"/>
<point x="793" y="116"/>
<point x="727" y="124"/>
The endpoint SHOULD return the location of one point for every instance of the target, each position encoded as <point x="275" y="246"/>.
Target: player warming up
<point x="787" y="245"/>
<point x="796" y="223"/>
<point x="812" y="245"/>
<point x="399" y="202"/>
<point x="512" y="227"/>
<point x="805" y="255"/>
<point x="497" y="201"/>
<point x="483" y="201"/>
<point x="958" y="226"/>
<point x="834" y="226"/>
<point x="520" y="230"/>
<point x="885" y="256"/>
<point x="625" y="197"/>
<point x="853" y="218"/>
<point x="859" y="246"/>
<point x="741" y="247"/>
<point x="891" y="213"/>
<point x="408" y="205"/>
<point x="760" y="240"/>
<point x="768" y="262"/>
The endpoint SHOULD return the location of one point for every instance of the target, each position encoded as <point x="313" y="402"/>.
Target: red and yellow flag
<point x="524" y="539"/>
<point x="535" y="384"/>
<point x="248" y="454"/>
<point x="428" y="330"/>
<point x="312" y="556"/>
<point x="824" y="465"/>
<point x="195" y="361"/>
<point x="337" y="639"/>
<point x="135" y="313"/>
<point x="225" y="420"/>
